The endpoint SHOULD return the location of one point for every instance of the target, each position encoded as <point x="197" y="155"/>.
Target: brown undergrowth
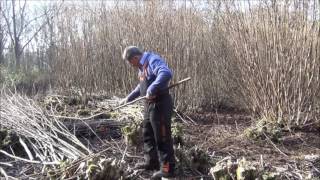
<point x="206" y="139"/>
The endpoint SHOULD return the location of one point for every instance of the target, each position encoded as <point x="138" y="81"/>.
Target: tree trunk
<point x="17" y="53"/>
<point x="1" y="47"/>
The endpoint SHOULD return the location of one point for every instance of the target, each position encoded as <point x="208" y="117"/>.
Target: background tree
<point x="2" y="36"/>
<point x="20" y="27"/>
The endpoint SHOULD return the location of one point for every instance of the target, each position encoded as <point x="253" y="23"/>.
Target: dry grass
<point x="264" y="57"/>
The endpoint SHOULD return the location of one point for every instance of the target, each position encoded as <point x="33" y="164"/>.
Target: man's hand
<point x="150" y="97"/>
<point x="123" y="101"/>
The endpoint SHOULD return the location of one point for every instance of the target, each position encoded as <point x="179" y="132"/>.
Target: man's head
<point x="132" y="54"/>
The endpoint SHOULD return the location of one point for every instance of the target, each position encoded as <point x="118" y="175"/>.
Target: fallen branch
<point x="180" y="115"/>
<point x="269" y="140"/>
<point x="27" y="160"/>
<point x="6" y="164"/>
<point x="3" y="172"/>
<point x="24" y="145"/>
<point x="77" y="118"/>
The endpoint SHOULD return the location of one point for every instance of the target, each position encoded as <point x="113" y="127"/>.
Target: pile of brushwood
<point x="60" y="137"/>
<point x="71" y="137"/>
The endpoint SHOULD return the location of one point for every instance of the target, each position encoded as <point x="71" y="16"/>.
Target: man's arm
<point x="134" y="94"/>
<point x="163" y="75"/>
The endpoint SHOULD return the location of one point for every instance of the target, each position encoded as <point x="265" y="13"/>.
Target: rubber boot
<point x="166" y="171"/>
<point x="150" y="163"/>
<point x="147" y="166"/>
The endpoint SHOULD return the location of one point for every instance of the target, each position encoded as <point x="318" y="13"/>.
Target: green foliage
<point x="246" y="170"/>
<point x="84" y="112"/>
<point x="97" y="168"/>
<point x="200" y="160"/>
<point x="10" y="77"/>
<point x="7" y="138"/>
<point x="177" y="133"/>
<point x="224" y="170"/>
<point x="264" y="128"/>
<point x="131" y="133"/>
<point x="194" y="159"/>
<point x="270" y="176"/>
<point x="64" y="167"/>
<point x="23" y="81"/>
<point x="176" y="129"/>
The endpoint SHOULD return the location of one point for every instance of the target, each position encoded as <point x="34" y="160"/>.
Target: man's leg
<point x="160" y="118"/>
<point x="149" y="145"/>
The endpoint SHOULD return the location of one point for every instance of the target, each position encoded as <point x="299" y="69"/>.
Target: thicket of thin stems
<point x="263" y="56"/>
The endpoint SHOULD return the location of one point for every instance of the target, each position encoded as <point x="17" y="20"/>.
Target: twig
<point x="27" y="160"/>
<point x="3" y="172"/>
<point x="77" y="118"/>
<point x="92" y="129"/>
<point x="124" y="154"/>
<point x="22" y="172"/>
<point x="315" y="168"/>
<point x="236" y="125"/>
<point x="274" y="145"/>
<point x="6" y="164"/>
<point x="84" y="159"/>
<point x="261" y="161"/>
<point x="195" y="123"/>
<point x="224" y="159"/>
<point x="180" y="116"/>
<point x="26" y="148"/>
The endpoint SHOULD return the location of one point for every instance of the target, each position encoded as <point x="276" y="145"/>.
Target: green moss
<point x="264" y="127"/>
<point x="83" y="112"/>
<point x="200" y="160"/>
<point x="221" y="172"/>
<point x="7" y="138"/>
<point x="131" y="134"/>
<point x="177" y="133"/>
<point x="103" y="116"/>
<point x="246" y="171"/>
<point x="270" y="176"/>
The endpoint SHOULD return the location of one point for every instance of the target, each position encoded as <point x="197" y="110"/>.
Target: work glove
<point x="149" y="96"/>
<point x="123" y="101"/>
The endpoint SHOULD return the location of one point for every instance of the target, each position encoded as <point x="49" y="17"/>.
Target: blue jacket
<point x="158" y="70"/>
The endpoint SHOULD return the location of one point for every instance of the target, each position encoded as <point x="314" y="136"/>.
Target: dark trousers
<point x="157" y="130"/>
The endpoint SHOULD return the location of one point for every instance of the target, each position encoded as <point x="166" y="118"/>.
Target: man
<point x="154" y="76"/>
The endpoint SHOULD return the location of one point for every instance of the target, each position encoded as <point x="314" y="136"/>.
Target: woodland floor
<point x="219" y="134"/>
<point x="222" y="135"/>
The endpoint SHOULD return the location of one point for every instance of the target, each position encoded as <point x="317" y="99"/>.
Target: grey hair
<point x="131" y="51"/>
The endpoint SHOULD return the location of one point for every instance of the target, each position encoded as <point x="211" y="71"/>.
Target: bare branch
<point x="27" y="160"/>
<point x="22" y="17"/>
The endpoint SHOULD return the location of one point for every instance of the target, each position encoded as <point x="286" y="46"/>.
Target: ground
<point x="214" y="137"/>
<point x="223" y="134"/>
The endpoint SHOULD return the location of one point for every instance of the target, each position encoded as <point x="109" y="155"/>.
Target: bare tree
<point x="2" y="37"/>
<point x="12" y="28"/>
<point x="20" y="28"/>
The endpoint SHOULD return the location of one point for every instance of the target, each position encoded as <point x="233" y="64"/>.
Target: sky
<point x="35" y="7"/>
